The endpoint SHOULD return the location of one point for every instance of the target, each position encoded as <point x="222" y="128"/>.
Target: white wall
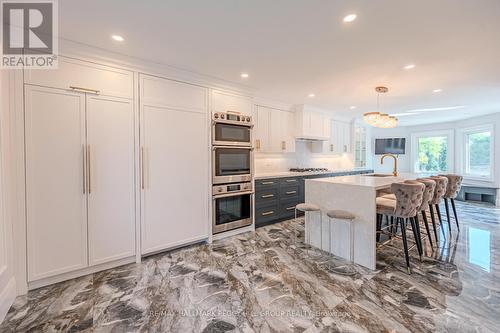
<point x="7" y="281"/>
<point x="404" y="161"/>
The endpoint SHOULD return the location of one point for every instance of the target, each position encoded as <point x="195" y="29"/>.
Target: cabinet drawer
<point x="264" y="197"/>
<point x="266" y="214"/>
<point x="287" y="208"/>
<point x="288" y="192"/>
<point x="289" y="181"/>
<point x="266" y="183"/>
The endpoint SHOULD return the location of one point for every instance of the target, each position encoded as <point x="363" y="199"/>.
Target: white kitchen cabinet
<point x="56" y="205"/>
<point x="223" y="101"/>
<point x="274" y="130"/>
<point x="82" y="75"/>
<point x="80" y="189"/>
<point x="311" y="124"/>
<point x="175" y="164"/>
<point x="111" y="195"/>
<point x="339" y="141"/>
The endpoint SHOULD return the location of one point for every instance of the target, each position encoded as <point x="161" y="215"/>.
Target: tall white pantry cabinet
<point x="88" y="162"/>
<point x="79" y="142"/>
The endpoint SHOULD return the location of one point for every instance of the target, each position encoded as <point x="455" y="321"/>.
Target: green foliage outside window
<point x="478" y="161"/>
<point x="432" y="154"/>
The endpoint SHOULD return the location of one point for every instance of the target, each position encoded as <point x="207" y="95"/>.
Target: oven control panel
<point x="232" y="117"/>
<point x="232" y="188"/>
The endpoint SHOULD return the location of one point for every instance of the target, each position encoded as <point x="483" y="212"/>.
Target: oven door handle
<point x="218" y="196"/>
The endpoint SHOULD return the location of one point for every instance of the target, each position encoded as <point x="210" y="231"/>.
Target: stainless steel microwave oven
<point x="231" y="129"/>
<point x="231" y="164"/>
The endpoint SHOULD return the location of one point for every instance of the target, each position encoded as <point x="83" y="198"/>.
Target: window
<point x="432" y="152"/>
<point x="478" y="152"/>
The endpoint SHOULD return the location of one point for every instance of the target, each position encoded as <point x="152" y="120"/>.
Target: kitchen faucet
<point x="395" y="171"/>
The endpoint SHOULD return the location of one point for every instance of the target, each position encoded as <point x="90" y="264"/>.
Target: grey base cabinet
<point x="276" y="198"/>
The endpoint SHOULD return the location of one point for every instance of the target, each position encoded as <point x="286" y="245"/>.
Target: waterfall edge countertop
<point x="379" y="182"/>
<point x="284" y="174"/>
<point x="356" y="194"/>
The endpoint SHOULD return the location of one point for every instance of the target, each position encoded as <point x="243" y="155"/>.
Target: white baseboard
<point x="81" y="272"/>
<point x="7" y="297"/>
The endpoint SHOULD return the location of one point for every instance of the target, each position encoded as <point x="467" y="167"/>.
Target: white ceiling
<point x="291" y="48"/>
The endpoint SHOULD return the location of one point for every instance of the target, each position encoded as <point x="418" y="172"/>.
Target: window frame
<point x="450" y="158"/>
<point x="464" y="152"/>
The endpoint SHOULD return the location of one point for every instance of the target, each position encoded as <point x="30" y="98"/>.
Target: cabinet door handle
<point x="291" y="192"/>
<point x="267" y="196"/>
<point x="268" y="213"/>
<point x="142" y="168"/>
<point x="291" y="180"/>
<point x="290" y="208"/>
<point x="89" y="179"/>
<point x="283" y="145"/>
<point x="84" y="90"/>
<point x="267" y="183"/>
<point x="83" y="169"/>
<point x="331" y="147"/>
<point x="257" y="144"/>
<point x="345" y="148"/>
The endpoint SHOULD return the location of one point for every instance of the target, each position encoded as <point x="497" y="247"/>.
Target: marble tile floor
<point x="269" y="281"/>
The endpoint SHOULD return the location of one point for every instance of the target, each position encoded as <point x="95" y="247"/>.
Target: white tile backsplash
<point x="302" y="158"/>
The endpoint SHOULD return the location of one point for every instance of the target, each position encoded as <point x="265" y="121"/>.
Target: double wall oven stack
<point x="232" y="165"/>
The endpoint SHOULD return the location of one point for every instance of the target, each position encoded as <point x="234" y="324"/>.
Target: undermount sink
<point x="377" y="175"/>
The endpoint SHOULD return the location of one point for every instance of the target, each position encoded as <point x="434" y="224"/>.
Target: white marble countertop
<point x="283" y="174"/>
<point x="366" y="180"/>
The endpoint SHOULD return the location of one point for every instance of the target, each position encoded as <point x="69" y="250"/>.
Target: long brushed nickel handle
<point x="291" y="180"/>
<point x="267" y="196"/>
<point x="291" y="192"/>
<point x="84" y="90"/>
<point x="89" y="166"/>
<point x="290" y="208"/>
<point x="268" y="213"/>
<point x="83" y="170"/>
<point x="142" y="168"/>
<point x="267" y="183"/>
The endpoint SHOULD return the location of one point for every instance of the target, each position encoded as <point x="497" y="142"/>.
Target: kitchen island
<point x="356" y="194"/>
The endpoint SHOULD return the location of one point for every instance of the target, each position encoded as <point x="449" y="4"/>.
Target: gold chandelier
<point x="378" y="119"/>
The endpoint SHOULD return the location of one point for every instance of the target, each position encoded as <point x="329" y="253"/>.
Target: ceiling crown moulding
<point x="377" y="118"/>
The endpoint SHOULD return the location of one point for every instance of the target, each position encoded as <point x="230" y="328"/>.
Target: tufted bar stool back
<point x="409" y="197"/>
<point x="439" y="192"/>
<point x="452" y="189"/>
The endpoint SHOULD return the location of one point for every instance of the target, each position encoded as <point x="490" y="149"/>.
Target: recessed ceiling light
<point x="349" y="18"/>
<point x="244" y="75"/>
<point x="352" y="107"/>
<point x="118" y="38"/>
<point x="437" y="91"/>
<point x="311" y="95"/>
<point x="409" y="66"/>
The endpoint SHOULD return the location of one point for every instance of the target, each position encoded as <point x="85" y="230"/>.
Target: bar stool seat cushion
<point x="453" y="187"/>
<point x="340" y="214"/>
<point x="389" y="196"/>
<point x="440" y="190"/>
<point x="306" y="207"/>
<point x="385" y="206"/>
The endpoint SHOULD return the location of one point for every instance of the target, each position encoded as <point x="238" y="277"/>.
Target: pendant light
<point x="378" y="119"/>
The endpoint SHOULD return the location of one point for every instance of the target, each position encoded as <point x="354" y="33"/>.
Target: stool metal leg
<point x="455" y="212"/>
<point x="447" y="213"/>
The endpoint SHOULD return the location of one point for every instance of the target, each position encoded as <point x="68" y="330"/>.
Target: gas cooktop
<point x="308" y="170"/>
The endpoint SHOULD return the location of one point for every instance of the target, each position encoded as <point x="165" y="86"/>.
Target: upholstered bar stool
<point x="408" y="200"/>
<point x="454" y="185"/>
<point x="308" y="208"/>
<point x="344" y="216"/>
<point x="427" y="196"/>
<point x="439" y="192"/>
